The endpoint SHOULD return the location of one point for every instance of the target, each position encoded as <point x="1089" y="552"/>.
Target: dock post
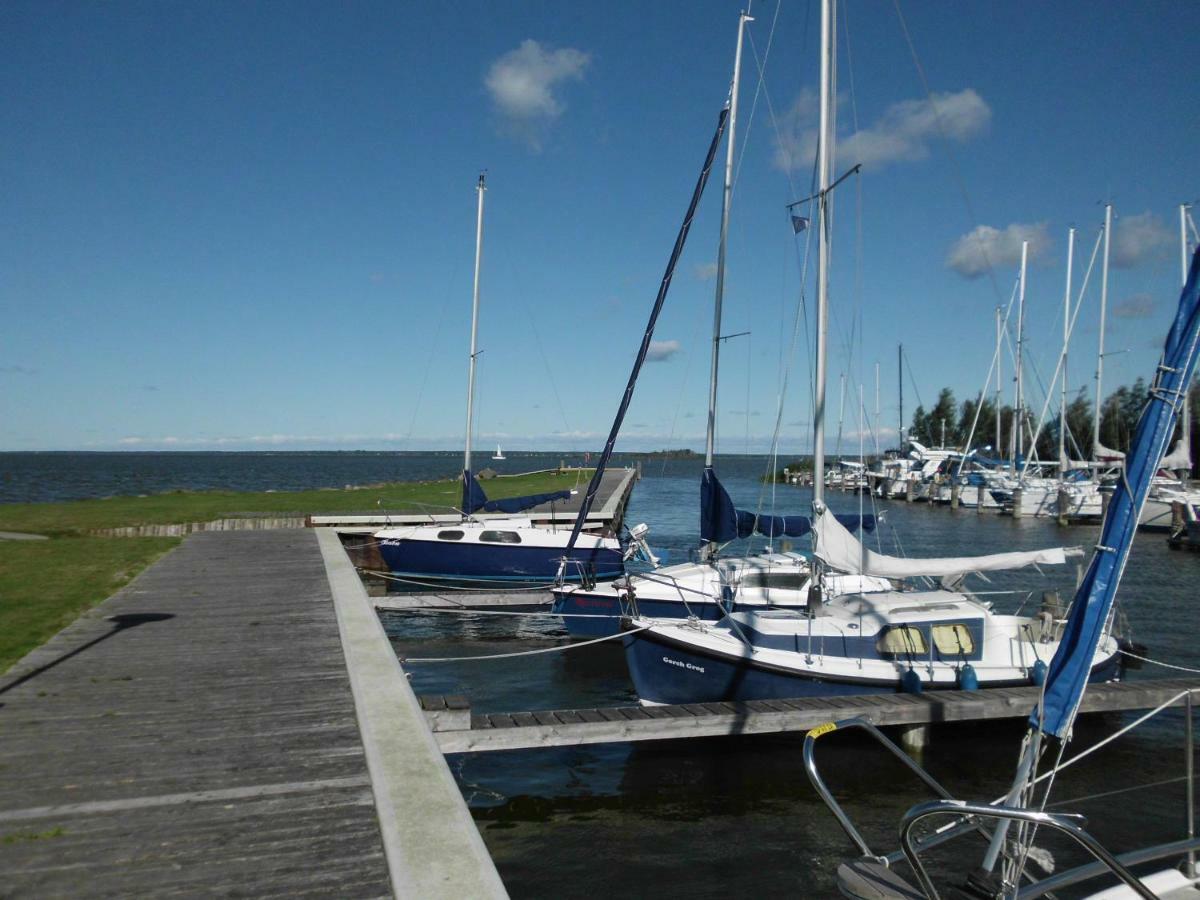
<point x="955" y="491"/>
<point x="914" y="739"/>
<point x="979" y="498"/>
<point x="1064" y="506"/>
<point x="909" y="485"/>
<point x="1017" y="496"/>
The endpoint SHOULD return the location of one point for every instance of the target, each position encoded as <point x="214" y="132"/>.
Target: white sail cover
<point x="1180" y="457"/>
<point x="842" y="551"/>
<point x="1104" y="454"/>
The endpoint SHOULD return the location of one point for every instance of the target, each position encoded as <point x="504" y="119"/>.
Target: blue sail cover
<point x="721" y="522"/>
<point x="1068" y="673"/>
<point x="474" y="499"/>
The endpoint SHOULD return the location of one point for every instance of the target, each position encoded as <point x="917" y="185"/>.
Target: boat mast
<point x="480" y="188"/>
<point x="1100" y="352"/>
<point x="1019" y="412"/>
<point x="1062" y="408"/>
<point x="900" y="381"/>
<point x="999" y="361"/>
<point x="824" y="152"/>
<point x="876" y="408"/>
<point x="1185" y="426"/>
<point x="726" y="197"/>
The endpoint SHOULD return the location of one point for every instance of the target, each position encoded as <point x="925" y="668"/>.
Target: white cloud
<point x="661" y="350"/>
<point x="903" y="133"/>
<point x="986" y="247"/>
<point x="1136" y="239"/>
<point x="523" y="82"/>
<point x="1139" y="306"/>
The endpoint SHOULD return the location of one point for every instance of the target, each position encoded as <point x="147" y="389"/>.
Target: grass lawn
<point x="81" y="516"/>
<point x="45" y="585"/>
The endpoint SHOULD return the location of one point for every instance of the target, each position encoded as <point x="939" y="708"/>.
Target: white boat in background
<point x="499" y="454"/>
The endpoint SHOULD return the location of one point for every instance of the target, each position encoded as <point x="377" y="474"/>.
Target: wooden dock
<point x="201" y="732"/>
<point x="458" y="731"/>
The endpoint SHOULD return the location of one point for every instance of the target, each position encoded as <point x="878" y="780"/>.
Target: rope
<point x="466" y="590"/>
<point x="572" y="646"/>
<point x="1125" y="790"/>
<point x="1158" y="663"/>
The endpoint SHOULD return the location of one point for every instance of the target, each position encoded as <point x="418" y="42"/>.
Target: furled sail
<point x="843" y="552"/>
<point x="474" y="499"/>
<point x="1104" y="454"/>
<point x="720" y="521"/>
<point x="1069" y="669"/>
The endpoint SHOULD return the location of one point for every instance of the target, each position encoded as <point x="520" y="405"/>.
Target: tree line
<point x="1118" y="420"/>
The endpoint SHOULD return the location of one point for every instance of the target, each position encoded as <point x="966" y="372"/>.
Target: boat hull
<point x="592" y="615"/>
<point x="671" y="672"/>
<point x="471" y="562"/>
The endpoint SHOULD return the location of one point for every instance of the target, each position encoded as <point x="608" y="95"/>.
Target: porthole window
<point x="452" y="535"/>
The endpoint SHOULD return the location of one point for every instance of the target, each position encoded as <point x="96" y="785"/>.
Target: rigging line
<point x="1125" y="790"/>
<point x="913" y="380"/>
<point x="761" y="84"/>
<point x="571" y="646"/>
<point x="948" y="149"/>
<point x="460" y="611"/>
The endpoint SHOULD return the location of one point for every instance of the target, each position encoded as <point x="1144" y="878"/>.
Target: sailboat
<point x="868" y="639"/>
<point x="1004" y="871"/>
<point x="702" y="589"/>
<point x="499" y="454"/>
<point x="500" y="551"/>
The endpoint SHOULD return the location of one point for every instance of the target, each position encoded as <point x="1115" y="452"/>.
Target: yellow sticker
<point x="822" y="729"/>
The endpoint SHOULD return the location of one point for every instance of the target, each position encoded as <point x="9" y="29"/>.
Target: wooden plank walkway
<point x="196" y="734"/>
<point x="458" y="731"/>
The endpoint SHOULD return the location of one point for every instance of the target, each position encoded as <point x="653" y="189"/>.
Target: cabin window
<point x="902" y="640"/>
<point x="500" y="537"/>
<point x="953" y="640"/>
<point x="779" y="581"/>
<point x="450" y="535"/>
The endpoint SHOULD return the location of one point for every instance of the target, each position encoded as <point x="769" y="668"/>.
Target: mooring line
<point x="438" y="659"/>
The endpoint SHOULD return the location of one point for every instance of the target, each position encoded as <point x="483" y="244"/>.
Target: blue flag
<point x="799" y="223"/>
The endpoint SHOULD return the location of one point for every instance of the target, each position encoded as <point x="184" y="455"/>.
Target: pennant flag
<point x="799" y="223"/>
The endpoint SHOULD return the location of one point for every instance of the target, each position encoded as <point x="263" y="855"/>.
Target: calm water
<point x="707" y="818"/>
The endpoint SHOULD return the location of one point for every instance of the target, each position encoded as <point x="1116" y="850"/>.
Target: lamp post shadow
<point x="121" y="622"/>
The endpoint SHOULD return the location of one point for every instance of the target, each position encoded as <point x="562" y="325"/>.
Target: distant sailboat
<point x="495" y="550"/>
<point x="499" y="454"/>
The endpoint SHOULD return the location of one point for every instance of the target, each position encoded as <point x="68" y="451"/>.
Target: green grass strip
<point x="178" y="507"/>
<point x="45" y="585"/>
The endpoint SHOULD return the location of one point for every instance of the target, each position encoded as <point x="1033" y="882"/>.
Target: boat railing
<point x="972" y="817"/>
<point x="1068" y="823"/>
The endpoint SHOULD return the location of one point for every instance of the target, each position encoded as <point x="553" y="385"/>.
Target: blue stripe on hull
<point x="607" y="612"/>
<point x="500" y="562"/>
<point x="666" y="672"/>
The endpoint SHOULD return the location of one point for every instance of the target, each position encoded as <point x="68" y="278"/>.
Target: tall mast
<point x="999" y="361"/>
<point x="900" y="381"/>
<point x="841" y="411"/>
<point x="1020" y="404"/>
<point x="877" y="409"/>
<point x="824" y="153"/>
<point x="1100" y="352"/>
<point x="1062" y="408"/>
<point x="726" y="197"/>
<point x="1183" y="242"/>
<point x="480" y="188"/>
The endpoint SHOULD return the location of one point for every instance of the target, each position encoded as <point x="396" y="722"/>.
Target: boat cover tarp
<point x="474" y="499"/>
<point x="1180" y="456"/>
<point x="1104" y="454"/>
<point x="663" y="287"/>
<point x="720" y="521"/>
<point x="1069" y="669"/>
<point x="843" y="552"/>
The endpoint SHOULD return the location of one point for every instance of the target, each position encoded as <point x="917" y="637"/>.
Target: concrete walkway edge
<point x="433" y="847"/>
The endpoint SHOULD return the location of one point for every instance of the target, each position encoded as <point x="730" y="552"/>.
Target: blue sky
<point x="251" y="225"/>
